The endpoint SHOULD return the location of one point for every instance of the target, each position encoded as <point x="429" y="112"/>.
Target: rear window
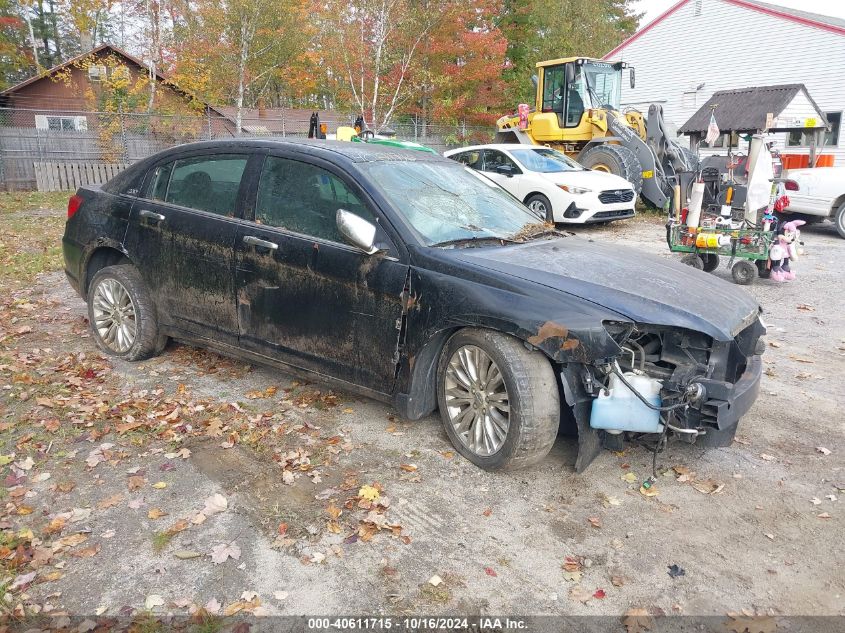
<point x="207" y="183"/>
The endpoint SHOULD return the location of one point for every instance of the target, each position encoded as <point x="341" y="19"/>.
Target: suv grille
<point x="616" y="196"/>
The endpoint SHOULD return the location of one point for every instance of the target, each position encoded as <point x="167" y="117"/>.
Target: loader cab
<point x="572" y="86"/>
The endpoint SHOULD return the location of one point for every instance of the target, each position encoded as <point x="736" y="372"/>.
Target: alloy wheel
<point x="538" y="207"/>
<point x="477" y="400"/>
<point x="114" y="315"/>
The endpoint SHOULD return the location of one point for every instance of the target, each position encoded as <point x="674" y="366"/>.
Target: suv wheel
<point x="499" y="401"/>
<point x="122" y="314"/>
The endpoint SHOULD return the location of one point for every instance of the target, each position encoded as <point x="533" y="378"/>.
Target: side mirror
<point x="507" y="170"/>
<point x="633" y="78"/>
<point x="356" y="231"/>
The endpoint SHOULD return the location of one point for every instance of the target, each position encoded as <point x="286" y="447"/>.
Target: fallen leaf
<point x="280" y="595"/>
<point x="771" y="537"/>
<point x="617" y="581"/>
<point x="287" y="477"/>
<point x="87" y="552"/>
<point x="317" y="557"/>
<point x="159" y="485"/>
<point x="135" y="482"/>
<point x="823" y="450"/>
<point x="409" y="468"/>
<point x="490" y="571"/>
<point x="768" y="458"/>
<point x="708" y="486"/>
<point x="649" y="492"/>
<point x="212" y="606"/>
<point x="108" y="502"/>
<point x="22" y="581"/>
<point x="488" y="512"/>
<point x="72" y="540"/>
<point x="186" y="554"/>
<point x="215" y="504"/>
<point x="369" y="493"/>
<point x="599" y="594"/>
<point x="824" y="515"/>
<point x="595" y="521"/>
<point x="629" y="477"/>
<point x="637" y="620"/>
<point x="816" y="501"/>
<point x="220" y="553"/>
<point x="156" y="513"/>
<point x="580" y="594"/>
<point x="805" y="307"/>
<point x="435" y="581"/>
<point x="153" y="601"/>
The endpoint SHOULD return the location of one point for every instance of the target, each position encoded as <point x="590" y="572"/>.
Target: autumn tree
<point x="459" y="72"/>
<point x="548" y="29"/>
<point x="243" y="45"/>
<point x="18" y="51"/>
<point x="370" y="47"/>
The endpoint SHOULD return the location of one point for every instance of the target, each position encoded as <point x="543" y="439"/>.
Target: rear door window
<point x="207" y="183"/>
<point x="304" y="198"/>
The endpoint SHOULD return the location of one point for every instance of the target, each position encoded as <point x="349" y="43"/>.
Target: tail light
<point x="791" y="185"/>
<point x="73" y="205"/>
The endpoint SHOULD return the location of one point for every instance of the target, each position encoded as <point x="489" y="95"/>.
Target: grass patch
<point x="14" y="201"/>
<point x="161" y="540"/>
<point x="30" y="242"/>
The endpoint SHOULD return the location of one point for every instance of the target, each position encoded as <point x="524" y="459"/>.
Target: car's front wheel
<point x="499" y="400"/>
<point x="122" y="314"/>
<point x="541" y="206"/>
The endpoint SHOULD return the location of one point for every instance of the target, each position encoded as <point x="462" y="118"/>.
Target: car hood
<point x="640" y="287"/>
<point x="595" y="180"/>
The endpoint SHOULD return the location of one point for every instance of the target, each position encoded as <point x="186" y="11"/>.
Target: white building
<point x="700" y="46"/>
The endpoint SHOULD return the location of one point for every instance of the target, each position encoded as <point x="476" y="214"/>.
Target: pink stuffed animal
<point x="784" y="249"/>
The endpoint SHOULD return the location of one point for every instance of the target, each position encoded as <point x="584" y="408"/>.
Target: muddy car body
<point x="373" y="269"/>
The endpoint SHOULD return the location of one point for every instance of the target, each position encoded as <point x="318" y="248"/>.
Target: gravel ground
<point x="299" y="467"/>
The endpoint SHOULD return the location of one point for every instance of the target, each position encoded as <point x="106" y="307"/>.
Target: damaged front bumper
<point x="706" y="385"/>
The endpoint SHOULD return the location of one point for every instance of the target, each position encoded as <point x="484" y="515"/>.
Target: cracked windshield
<point x="445" y="202"/>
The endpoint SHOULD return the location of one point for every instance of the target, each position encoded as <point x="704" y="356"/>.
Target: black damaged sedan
<point x="411" y="279"/>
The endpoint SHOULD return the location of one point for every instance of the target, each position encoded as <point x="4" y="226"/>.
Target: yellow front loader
<point x="577" y="110"/>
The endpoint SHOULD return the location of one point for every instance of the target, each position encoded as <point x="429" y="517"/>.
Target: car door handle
<point x="251" y="240"/>
<point x="151" y="215"/>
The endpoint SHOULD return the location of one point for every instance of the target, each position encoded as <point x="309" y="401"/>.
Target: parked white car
<point x="550" y="183"/>
<point x="816" y="194"/>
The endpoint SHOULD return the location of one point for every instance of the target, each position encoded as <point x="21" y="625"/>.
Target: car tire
<point x="615" y="159"/>
<point x="524" y="386"/>
<point x="693" y="260"/>
<point x="743" y="272"/>
<point x="710" y="262"/>
<point x="839" y="220"/>
<point x="122" y="314"/>
<point x="541" y="205"/>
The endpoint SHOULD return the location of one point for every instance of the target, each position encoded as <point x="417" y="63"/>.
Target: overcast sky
<point x="653" y="8"/>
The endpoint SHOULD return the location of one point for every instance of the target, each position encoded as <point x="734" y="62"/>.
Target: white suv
<point x="550" y="183"/>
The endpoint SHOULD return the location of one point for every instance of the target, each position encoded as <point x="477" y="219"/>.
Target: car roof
<point x="354" y="152"/>
<point x="501" y="146"/>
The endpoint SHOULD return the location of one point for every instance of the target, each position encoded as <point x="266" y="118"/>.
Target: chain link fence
<point x="32" y="139"/>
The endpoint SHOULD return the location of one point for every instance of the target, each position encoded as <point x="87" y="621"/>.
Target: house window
<point x="97" y="73"/>
<point x="831" y="137"/>
<point x="61" y="123"/>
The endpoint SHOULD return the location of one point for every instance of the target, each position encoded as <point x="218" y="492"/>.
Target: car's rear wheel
<point x="499" y="400"/>
<point x="540" y="205"/>
<point x="839" y="219"/>
<point x="122" y="314"/>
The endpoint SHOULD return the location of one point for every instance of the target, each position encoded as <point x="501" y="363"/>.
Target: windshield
<point x="604" y="83"/>
<point x="446" y="201"/>
<point x="545" y="160"/>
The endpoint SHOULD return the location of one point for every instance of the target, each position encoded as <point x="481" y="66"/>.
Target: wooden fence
<point x="69" y="176"/>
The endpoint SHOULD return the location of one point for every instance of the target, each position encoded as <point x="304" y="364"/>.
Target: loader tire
<point x="615" y="159"/>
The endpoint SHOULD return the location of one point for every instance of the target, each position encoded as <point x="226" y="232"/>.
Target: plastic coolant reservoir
<point x="618" y="409"/>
